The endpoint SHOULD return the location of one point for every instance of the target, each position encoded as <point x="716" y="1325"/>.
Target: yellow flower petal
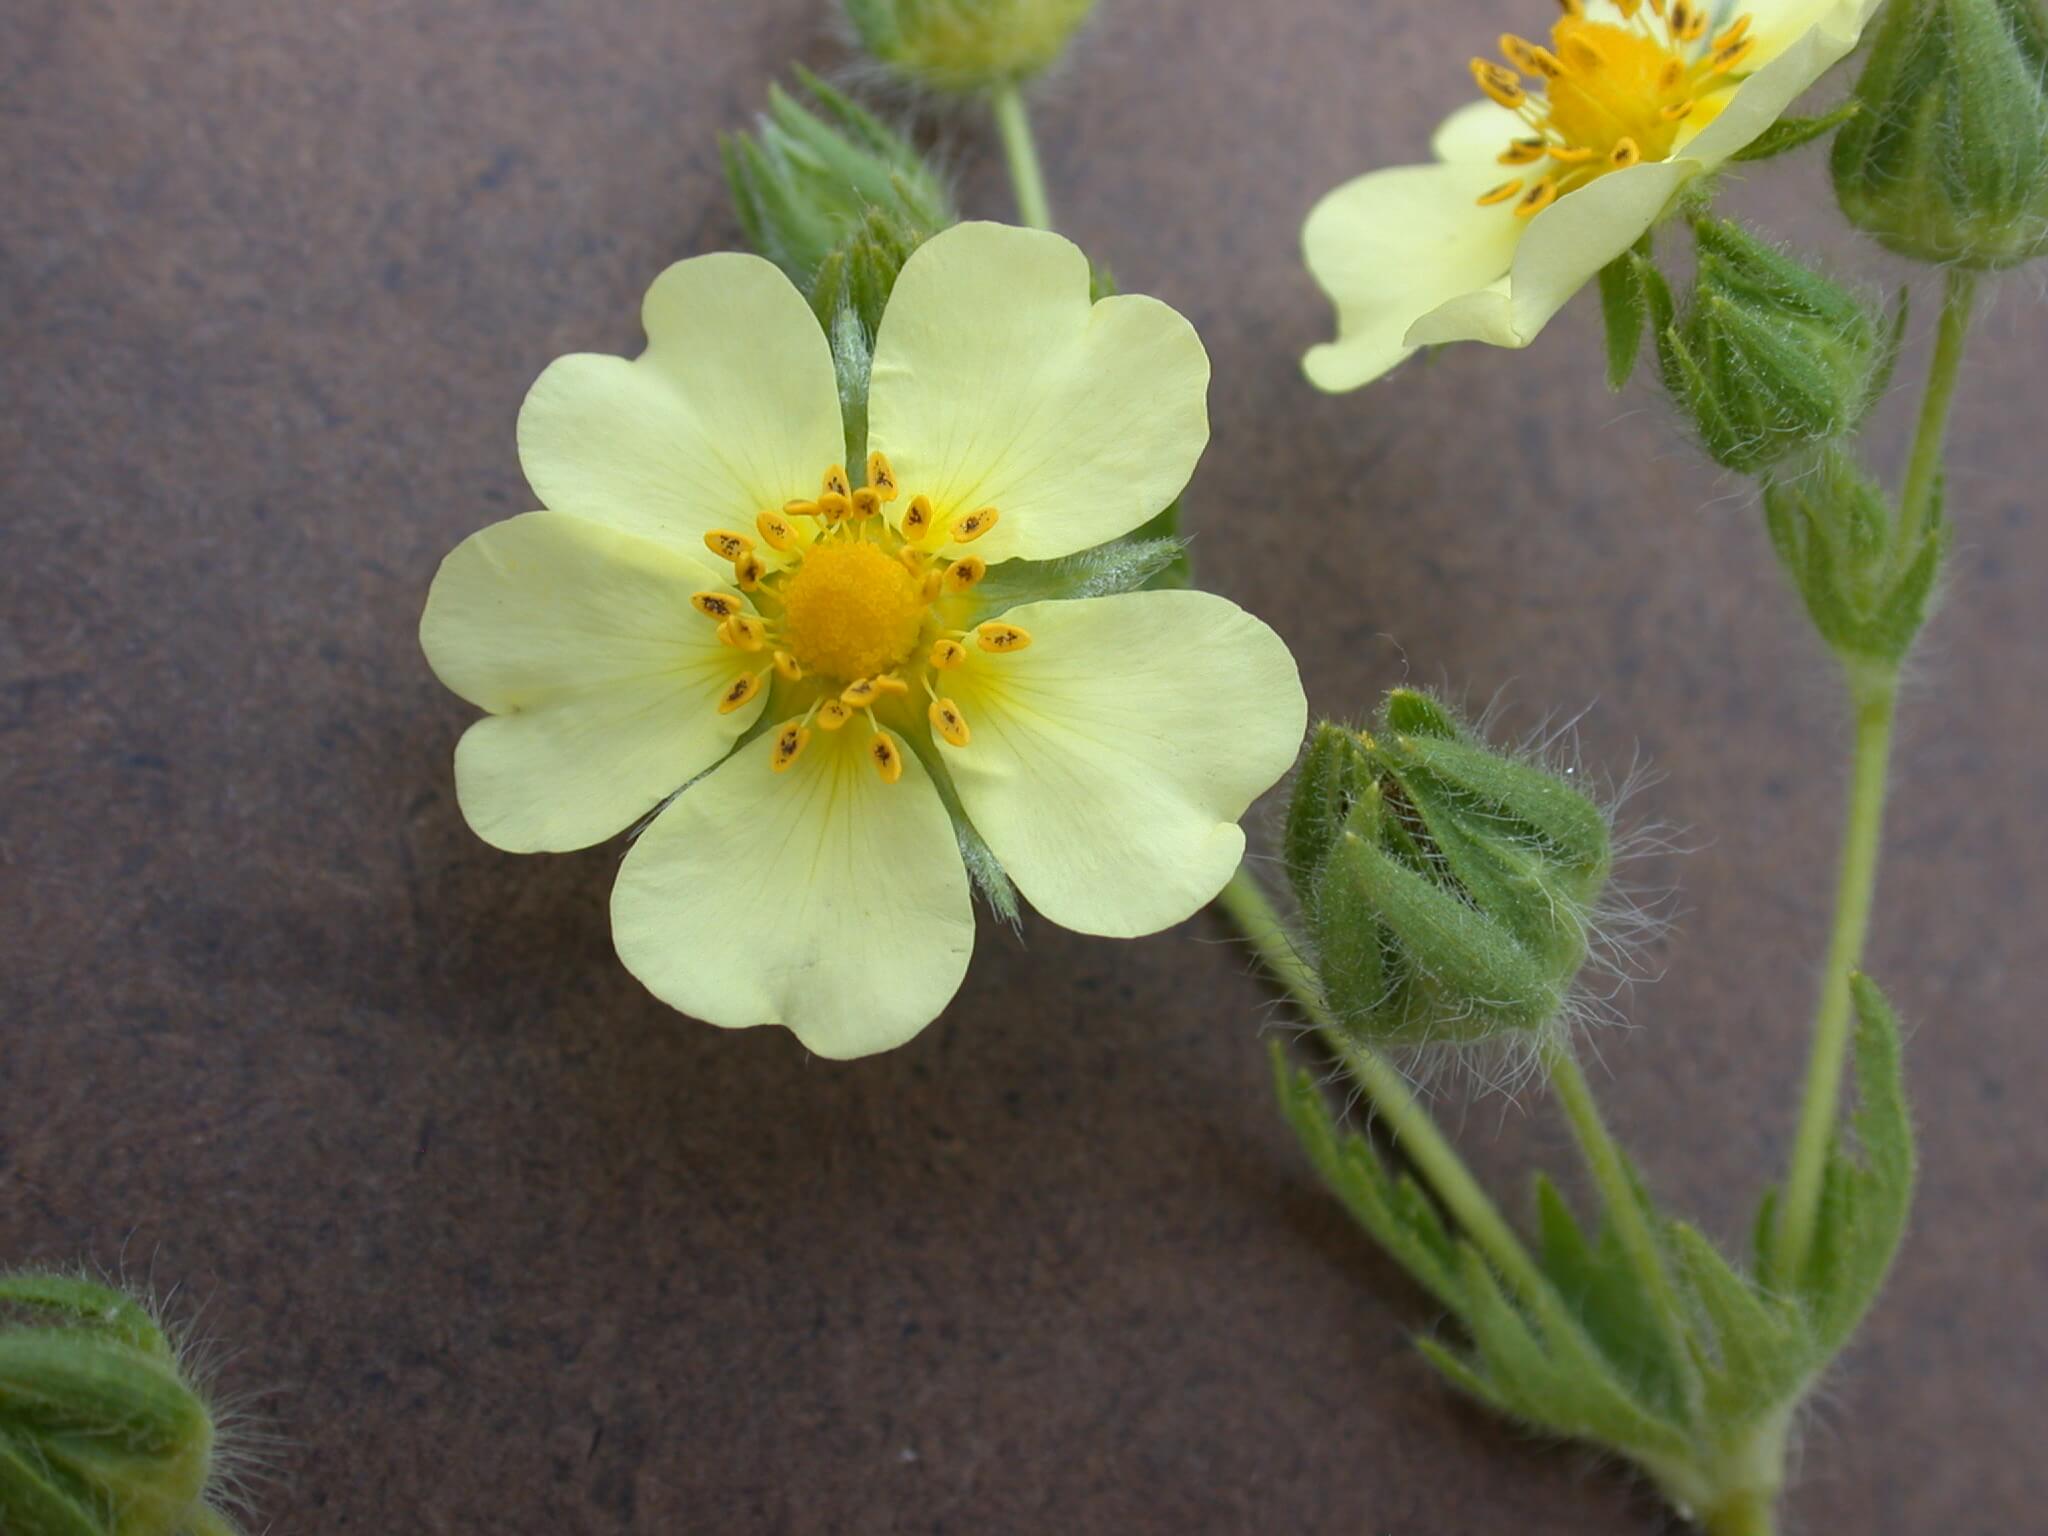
<point x="1394" y="245"/>
<point x="1110" y="761"/>
<point x="1561" y="250"/>
<point x="1798" y="41"/>
<point x="733" y="409"/>
<point x="997" y="383"/>
<point x="601" y="681"/>
<point x="1475" y="134"/>
<point x="819" y="898"/>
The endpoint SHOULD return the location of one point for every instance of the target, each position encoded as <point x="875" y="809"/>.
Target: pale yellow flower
<point x="1578" y="150"/>
<point x="710" y="594"/>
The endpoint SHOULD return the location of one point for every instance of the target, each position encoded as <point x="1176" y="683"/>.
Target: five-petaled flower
<point x="1577" y="151"/>
<point x="711" y="593"/>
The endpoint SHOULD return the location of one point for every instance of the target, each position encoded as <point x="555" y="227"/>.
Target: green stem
<point x="1744" y="1514"/>
<point x="1014" y="124"/>
<point x="1425" y="1147"/>
<point x="1625" y="1210"/>
<point x="1876" y="697"/>
<point x="1923" y="468"/>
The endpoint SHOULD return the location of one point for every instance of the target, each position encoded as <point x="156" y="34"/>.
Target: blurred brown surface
<point x="511" y="1247"/>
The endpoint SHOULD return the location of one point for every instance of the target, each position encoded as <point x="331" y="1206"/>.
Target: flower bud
<point x="838" y="200"/>
<point x="963" y="46"/>
<point x="102" y="1432"/>
<point x="1769" y="357"/>
<point x="1446" y="885"/>
<point x="1948" y="159"/>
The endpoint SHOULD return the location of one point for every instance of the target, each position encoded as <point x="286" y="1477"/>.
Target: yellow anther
<point x="963" y="573"/>
<point x="1624" y="154"/>
<point x="786" y="667"/>
<point x="836" y="483"/>
<point x="887" y="760"/>
<point x="1524" y="151"/>
<point x="913" y="560"/>
<point x="789" y="746"/>
<point x="1571" y="154"/>
<point x="778" y="530"/>
<point x="1530" y="58"/>
<point x="833" y="507"/>
<point x="917" y="519"/>
<point x="1688" y="21"/>
<point x="949" y="722"/>
<point x="860" y="694"/>
<point x="889" y="682"/>
<point x="965" y="530"/>
<point x="1734" y="32"/>
<point x="881" y="476"/>
<point x="1728" y="60"/>
<point x="1001" y="638"/>
<point x="715" y="605"/>
<point x="1539" y="197"/>
<point x="748" y="570"/>
<point x="832" y="714"/>
<point x="948" y="654"/>
<point x="738" y="692"/>
<point x="1678" y="111"/>
<point x="725" y="633"/>
<point x="749" y="631"/>
<point x="726" y="544"/>
<point x="866" y="502"/>
<point x="800" y="508"/>
<point x="1578" y="7"/>
<point x="933" y="582"/>
<point x="1499" y="82"/>
<point x="1668" y="76"/>
<point x="1501" y="193"/>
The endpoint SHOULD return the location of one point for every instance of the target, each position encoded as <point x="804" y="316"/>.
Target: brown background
<point x="507" y="1246"/>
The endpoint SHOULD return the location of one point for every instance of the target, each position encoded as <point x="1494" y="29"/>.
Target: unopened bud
<point x="1769" y="357"/>
<point x="1447" y="886"/>
<point x="1947" y="161"/>
<point x="964" y="46"/>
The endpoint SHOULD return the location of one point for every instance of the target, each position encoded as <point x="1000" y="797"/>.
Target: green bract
<point x="102" y="1432"/>
<point x="963" y="46"/>
<point x="1948" y="161"/>
<point x="1446" y="885"/>
<point x="1769" y="357"/>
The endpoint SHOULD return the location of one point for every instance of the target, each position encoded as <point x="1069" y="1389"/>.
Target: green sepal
<point x="1334" y="775"/>
<point x="1623" y="306"/>
<point x="1178" y="572"/>
<point x="1124" y="566"/>
<point x="1790" y="133"/>
<point x="82" y="1304"/>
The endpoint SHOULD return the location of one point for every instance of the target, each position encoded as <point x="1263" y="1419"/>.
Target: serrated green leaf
<point x="1788" y="133"/>
<point x="1462" y="1375"/>
<point x="1866" y="1192"/>
<point x="1398" y="1215"/>
<point x="1762" y="1353"/>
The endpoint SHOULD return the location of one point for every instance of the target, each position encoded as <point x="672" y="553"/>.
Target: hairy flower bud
<point x="1446" y="885"/>
<point x="1769" y="357"/>
<point x="102" y="1432"/>
<point x="833" y="197"/>
<point x="1948" y="159"/>
<point x="964" y="46"/>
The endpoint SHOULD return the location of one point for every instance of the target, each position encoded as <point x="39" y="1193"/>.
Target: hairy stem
<point x="1743" y="1514"/>
<point x="1013" y="122"/>
<point x="1625" y="1210"/>
<point x="1427" y="1150"/>
<point x="1923" y="468"/>
<point x="1876" y="698"/>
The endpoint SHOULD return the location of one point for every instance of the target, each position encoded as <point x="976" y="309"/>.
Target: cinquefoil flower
<point x="1578" y="149"/>
<point x="710" y="593"/>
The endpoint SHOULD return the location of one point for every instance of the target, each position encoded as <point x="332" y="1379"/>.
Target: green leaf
<point x="1398" y="1215"/>
<point x="1788" y="133"/>
<point x="1762" y="1351"/>
<point x="1179" y="571"/>
<point x="1865" y="1193"/>
<point x="1623" y="305"/>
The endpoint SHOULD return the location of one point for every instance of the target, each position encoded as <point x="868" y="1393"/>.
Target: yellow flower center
<point x="1606" y="95"/>
<point x="849" y="611"/>
<point x="853" y="613"/>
